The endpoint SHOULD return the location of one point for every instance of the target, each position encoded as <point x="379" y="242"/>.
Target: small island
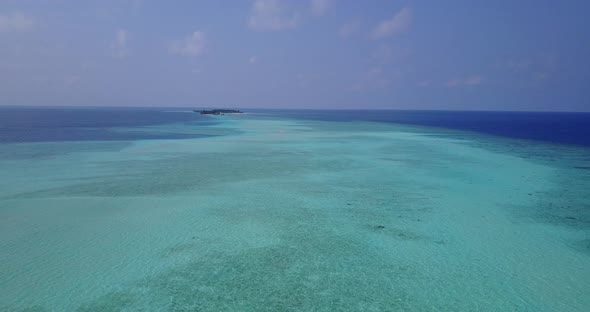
<point x="218" y="111"/>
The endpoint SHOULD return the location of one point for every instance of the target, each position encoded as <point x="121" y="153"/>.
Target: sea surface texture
<point x="169" y="210"/>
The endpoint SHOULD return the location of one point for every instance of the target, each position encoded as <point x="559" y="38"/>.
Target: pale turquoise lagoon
<point x="276" y="214"/>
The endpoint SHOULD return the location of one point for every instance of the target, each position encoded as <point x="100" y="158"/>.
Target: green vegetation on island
<point x="218" y="111"/>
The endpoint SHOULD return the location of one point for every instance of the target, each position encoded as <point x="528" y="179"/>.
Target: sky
<point x="455" y="54"/>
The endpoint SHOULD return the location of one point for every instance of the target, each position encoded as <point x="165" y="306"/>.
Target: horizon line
<point x="292" y="108"/>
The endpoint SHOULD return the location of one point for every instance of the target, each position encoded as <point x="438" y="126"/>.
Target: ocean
<point x="163" y="209"/>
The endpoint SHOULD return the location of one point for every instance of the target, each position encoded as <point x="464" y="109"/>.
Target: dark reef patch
<point x="35" y="308"/>
<point x="278" y="278"/>
<point x="176" y="174"/>
<point x="115" y="301"/>
<point x="398" y="233"/>
<point x="582" y="245"/>
<point x="40" y="151"/>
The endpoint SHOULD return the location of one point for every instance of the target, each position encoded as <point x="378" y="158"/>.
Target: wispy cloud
<point x="518" y="66"/>
<point x="541" y="76"/>
<point x="531" y="69"/>
<point x="386" y="54"/>
<point x="321" y="7"/>
<point x="271" y="15"/>
<point x="192" y="45"/>
<point x="349" y="29"/>
<point x="398" y="24"/>
<point x="468" y="81"/>
<point x="374" y="78"/>
<point x="15" y="22"/>
<point x="119" y="45"/>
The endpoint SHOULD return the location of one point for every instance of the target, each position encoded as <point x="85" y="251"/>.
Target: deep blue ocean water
<point x="83" y="124"/>
<point x="89" y="124"/>
<point x="554" y="127"/>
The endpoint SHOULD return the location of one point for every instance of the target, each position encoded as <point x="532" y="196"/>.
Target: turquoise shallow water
<point x="269" y="214"/>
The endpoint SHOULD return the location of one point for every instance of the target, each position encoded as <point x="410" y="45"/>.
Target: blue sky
<point x="467" y="55"/>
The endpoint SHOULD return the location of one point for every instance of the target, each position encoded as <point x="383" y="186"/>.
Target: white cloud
<point x="15" y="22"/>
<point x="271" y="15"/>
<point x="321" y="7"/>
<point x="193" y="45"/>
<point x="398" y="24"/>
<point x="349" y="29"/>
<point x="468" y="81"/>
<point x="119" y="45"/>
